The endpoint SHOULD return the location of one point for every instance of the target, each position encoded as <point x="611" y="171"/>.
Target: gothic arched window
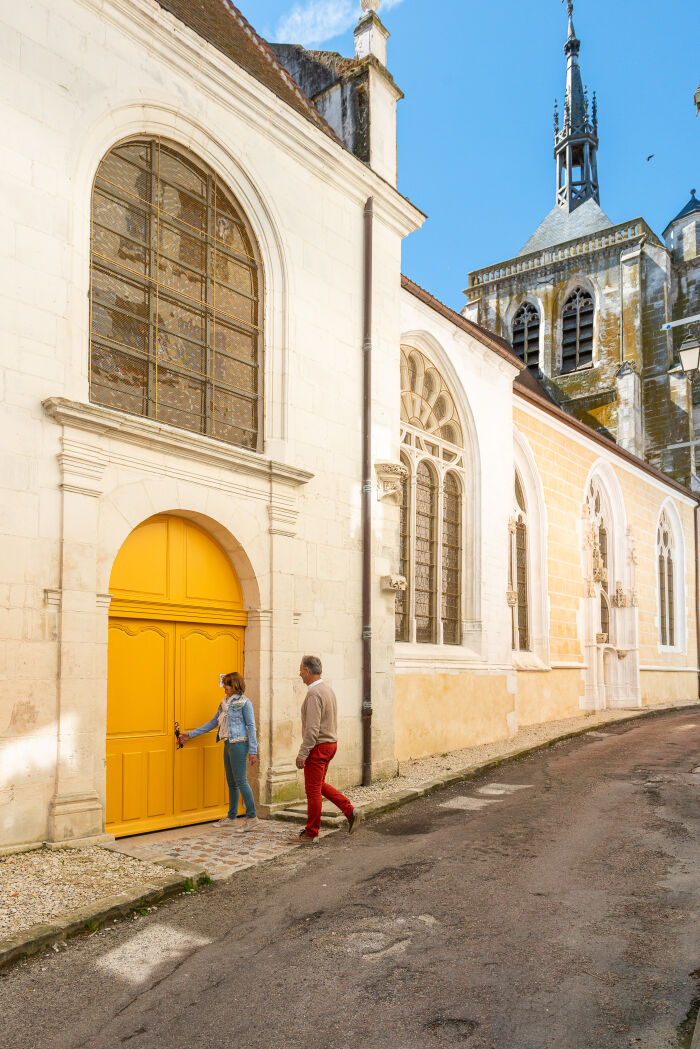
<point x="666" y="567"/>
<point x="175" y="295"/>
<point x="526" y="336"/>
<point x="432" y="506"/>
<point x="518" y="570"/>
<point x="577" y="331"/>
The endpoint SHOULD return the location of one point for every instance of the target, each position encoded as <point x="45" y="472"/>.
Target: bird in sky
<point x="651" y="157"/>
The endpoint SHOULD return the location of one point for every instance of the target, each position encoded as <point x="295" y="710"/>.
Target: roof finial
<point x="370" y="5"/>
<point x="570" y="6"/>
<point x="693" y="192"/>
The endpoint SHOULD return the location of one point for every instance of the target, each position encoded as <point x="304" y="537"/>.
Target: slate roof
<point x="692" y="206"/>
<point x="222" y="25"/>
<point x="561" y="225"/>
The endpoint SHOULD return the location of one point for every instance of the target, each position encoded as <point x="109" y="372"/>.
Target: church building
<point x="233" y="432"/>
<point x="584" y="300"/>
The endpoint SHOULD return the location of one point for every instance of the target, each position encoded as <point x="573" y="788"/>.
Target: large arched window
<point x="176" y="295"/>
<point x="526" y="336"/>
<point x="519" y="571"/>
<point x="666" y="562"/>
<point x="577" y="331"/>
<point x="432" y="511"/>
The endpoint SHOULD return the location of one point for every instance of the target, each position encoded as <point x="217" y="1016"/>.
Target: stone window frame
<point x="669" y="512"/>
<point x="537" y="655"/>
<point x="207" y="377"/>
<point x="427" y="448"/>
<point x="532" y="365"/>
<point x="572" y="284"/>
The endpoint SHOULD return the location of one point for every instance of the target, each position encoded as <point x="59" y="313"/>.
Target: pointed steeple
<point x="576" y="145"/>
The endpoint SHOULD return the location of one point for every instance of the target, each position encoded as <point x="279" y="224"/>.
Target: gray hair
<point x="312" y="664"/>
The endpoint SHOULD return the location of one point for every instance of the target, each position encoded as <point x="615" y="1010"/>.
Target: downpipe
<point x="366" y="498"/>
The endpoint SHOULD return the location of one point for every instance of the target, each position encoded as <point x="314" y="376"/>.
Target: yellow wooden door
<point x="176" y="624"/>
<point x="202" y="652"/>
<point x="140" y="725"/>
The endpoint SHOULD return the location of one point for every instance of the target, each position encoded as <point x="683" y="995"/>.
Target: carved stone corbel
<point x="394" y="583"/>
<point x="512" y="598"/>
<point x="390" y="479"/>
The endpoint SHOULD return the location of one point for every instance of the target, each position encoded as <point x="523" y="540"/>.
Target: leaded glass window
<point x="601" y="567"/>
<point x="526" y="336"/>
<point x="432" y="507"/>
<point x="577" y="331"/>
<point x="175" y="294"/>
<point x="426" y="553"/>
<point x="665" y="553"/>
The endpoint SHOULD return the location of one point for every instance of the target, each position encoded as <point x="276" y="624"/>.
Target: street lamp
<point x="689" y="354"/>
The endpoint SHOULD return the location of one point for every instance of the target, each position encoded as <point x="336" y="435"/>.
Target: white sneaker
<point x="248" y="824"/>
<point x="225" y="822"/>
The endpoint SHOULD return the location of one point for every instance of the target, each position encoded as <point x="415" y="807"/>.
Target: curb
<point x="37" y="937"/>
<point x="395" y="801"/>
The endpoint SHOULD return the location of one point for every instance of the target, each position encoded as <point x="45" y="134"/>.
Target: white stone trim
<point x="681" y="594"/>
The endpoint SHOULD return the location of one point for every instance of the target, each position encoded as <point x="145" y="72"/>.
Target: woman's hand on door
<point x="184" y="737"/>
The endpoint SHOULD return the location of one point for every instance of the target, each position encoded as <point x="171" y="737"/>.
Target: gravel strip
<point x="44" y="885"/>
<point x="415" y="773"/>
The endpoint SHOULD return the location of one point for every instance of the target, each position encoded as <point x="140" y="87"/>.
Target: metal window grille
<point x="451" y="560"/>
<point x="577" y="331"/>
<point x="175" y="295"/>
<point x="526" y="336"/>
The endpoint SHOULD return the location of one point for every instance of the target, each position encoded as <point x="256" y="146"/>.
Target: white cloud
<point x="314" y="21"/>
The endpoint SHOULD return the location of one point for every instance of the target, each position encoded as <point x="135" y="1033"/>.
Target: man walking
<point x="319" y="729"/>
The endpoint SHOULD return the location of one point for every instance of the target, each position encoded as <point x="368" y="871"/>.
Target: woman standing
<point x="236" y="727"/>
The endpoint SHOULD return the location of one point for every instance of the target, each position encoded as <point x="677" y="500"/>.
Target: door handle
<point x="180" y="744"/>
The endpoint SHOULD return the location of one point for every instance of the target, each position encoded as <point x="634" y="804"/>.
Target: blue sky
<point x="475" y="127"/>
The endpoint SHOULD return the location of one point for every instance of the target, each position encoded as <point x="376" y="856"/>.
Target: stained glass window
<point x="176" y="295"/>
<point x="519" y="570"/>
<point x="425" y="553"/>
<point x="451" y="559"/>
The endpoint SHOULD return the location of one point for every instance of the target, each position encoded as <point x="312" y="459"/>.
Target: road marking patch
<point x="466" y="803"/>
<point x="504" y="788"/>
<point x="599" y="735"/>
<point x="136" y="960"/>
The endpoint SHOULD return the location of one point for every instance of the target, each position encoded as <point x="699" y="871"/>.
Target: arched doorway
<point x="176" y="623"/>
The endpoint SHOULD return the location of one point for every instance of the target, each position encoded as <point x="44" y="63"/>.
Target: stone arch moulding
<point x="538" y="528"/>
<point x="681" y="595"/>
<point x="610" y="682"/>
<point x="513" y="306"/>
<point x="157" y="118"/>
<point x="471" y="560"/>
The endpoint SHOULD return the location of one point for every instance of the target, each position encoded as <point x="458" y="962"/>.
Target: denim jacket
<point x="241" y="723"/>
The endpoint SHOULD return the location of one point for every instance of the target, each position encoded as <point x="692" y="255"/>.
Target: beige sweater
<point x="319" y="718"/>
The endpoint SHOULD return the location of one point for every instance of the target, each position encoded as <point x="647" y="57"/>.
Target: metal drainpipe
<point x="696" y="518"/>
<point x="366" y="500"/>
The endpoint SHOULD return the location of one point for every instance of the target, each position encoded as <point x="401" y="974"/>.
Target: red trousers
<point x="315" y="769"/>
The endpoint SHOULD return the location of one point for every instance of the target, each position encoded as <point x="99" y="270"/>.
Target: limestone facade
<point x="78" y="477"/>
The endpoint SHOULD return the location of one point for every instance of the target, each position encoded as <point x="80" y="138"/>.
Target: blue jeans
<point x="235" y="759"/>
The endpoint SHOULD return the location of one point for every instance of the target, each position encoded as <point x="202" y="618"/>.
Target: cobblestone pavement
<point x="219" y="850"/>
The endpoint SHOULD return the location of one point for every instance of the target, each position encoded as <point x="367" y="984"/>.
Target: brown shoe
<point x="302" y="838"/>
<point x="354" y="820"/>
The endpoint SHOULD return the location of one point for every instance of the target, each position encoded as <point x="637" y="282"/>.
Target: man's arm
<point x="312" y="706"/>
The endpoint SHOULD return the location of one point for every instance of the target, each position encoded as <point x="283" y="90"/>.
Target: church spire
<point x="576" y="144"/>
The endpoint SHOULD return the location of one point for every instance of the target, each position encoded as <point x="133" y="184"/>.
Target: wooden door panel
<point x="140" y="721"/>
<point x="203" y="653"/>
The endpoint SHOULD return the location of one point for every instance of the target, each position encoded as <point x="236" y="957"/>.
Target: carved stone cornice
<point x="147" y="433"/>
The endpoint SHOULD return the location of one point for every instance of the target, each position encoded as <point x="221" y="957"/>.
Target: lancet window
<point x="666" y="560"/>
<point x="432" y="507"/>
<point x="176" y="329"/>
<point x="577" y="331"/>
<point x="526" y="336"/>
<point x="518" y="570"/>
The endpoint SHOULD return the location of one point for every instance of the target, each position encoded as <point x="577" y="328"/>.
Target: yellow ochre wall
<point x="563" y="463"/>
<point x="442" y="712"/>
<point x="548" y="695"/>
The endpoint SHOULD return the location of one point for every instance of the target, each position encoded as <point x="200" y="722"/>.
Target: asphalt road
<point x="554" y="902"/>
